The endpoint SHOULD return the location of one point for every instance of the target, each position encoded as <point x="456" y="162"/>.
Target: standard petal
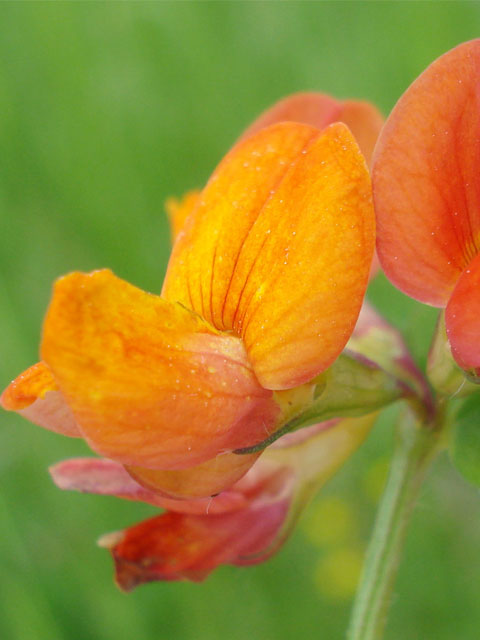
<point x="319" y="110"/>
<point x="462" y="317"/>
<point x="425" y="178"/>
<point x="179" y="210"/>
<point x="202" y="481"/>
<point x="109" y="478"/>
<point x="284" y="235"/>
<point x="34" y="395"/>
<point x="149" y="382"/>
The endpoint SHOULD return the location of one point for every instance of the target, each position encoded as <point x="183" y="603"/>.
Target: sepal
<point x="381" y="343"/>
<point x="375" y="370"/>
<point x="384" y="345"/>
<point x="353" y="386"/>
<point x="443" y="372"/>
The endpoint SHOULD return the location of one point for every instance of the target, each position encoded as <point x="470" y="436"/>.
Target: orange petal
<point x="365" y="122"/>
<point x="316" y="109"/>
<point x="35" y="396"/>
<point x="319" y="110"/>
<point x="29" y="386"/>
<point x="204" y="480"/>
<point x="279" y="249"/>
<point x="179" y="210"/>
<point x="109" y="478"/>
<point x="177" y="546"/>
<point x="425" y="178"/>
<point x="374" y="268"/>
<point x="100" y="476"/>
<point x="462" y="317"/>
<point x="149" y="382"/>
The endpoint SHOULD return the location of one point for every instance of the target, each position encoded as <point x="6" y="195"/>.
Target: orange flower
<point x="249" y="521"/>
<point x="242" y="526"/>
<point x="427" y="195"/>
<point x="262" y="292"/>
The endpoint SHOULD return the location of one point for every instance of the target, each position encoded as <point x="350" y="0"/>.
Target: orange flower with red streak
<point x="262" y="292"/>
<point x="427" y="195"/>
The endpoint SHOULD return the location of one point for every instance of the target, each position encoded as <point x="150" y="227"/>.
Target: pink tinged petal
<point x="52" y="413"/>
<point x="319" y="110"/>
<point x="180" y="546"/>
<point x="426" y="179"/>
<point x="101" y="476"/>
<point x="106" y="477"/>
<point x="462" y="317"/>
<point x="34" y="395"/>
<point x="374" y="268"/>
<point x="177" y="546"/>
<point x="315" y="109"/>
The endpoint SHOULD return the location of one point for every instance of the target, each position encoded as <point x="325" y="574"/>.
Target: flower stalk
<point x="415" y="448"/>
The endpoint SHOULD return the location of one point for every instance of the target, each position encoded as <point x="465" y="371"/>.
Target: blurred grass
<point x="107" y="109"/>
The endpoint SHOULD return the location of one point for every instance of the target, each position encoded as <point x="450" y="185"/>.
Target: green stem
<point x="415" y="448"/>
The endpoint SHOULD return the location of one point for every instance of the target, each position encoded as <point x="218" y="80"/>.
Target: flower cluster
<point x="256" y="337"/>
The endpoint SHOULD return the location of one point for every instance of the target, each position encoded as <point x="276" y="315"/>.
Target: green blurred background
<point x="106" y="110"/>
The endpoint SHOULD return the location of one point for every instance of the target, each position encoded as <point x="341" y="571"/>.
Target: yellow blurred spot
<point x="331" y="521"/>
<point x="374" y="479"/>
<point x="337" y="574"/>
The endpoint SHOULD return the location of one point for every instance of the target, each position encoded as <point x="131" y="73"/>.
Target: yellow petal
<point x="279" y="248"/>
